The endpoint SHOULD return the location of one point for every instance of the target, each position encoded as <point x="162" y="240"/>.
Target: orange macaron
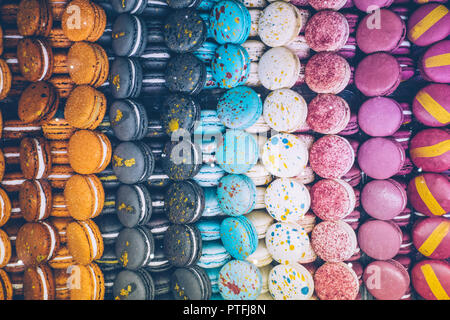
<point x="5" y="248"/>
<point x="5" y="207"/>
<point x="38" y="283"/>
<point x="84" y="241"/>
<point x="6" y="288"/>
<point x="35" y="200"/>
<point x="88" y="282"/>
<point x="5" y="79"/>
<point x="38" y="103"/>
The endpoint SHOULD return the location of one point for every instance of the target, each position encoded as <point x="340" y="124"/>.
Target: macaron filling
<point x="40" y="157"/>
<point x="52" y="234"/>
<point x="94" y="281"/>
<point x="104" y="151"/>
<point x="43" y="282"/>
<point x="148" y="255"/>
<point x="46" y="59"/>
<point x="194" y="245"/>
<point x="96" y="196"/>
<point x="43" y="201"/>
<point x="91" y="237"/>
<point x="137" y="41"/>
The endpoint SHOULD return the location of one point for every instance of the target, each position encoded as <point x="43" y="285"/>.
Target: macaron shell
<point x="84" y="241"/>
<point x="91" y="282"/>
<point x="278" y="68"/>
<point x="336" y="281"/>
<point x="236" y="195"/>
<point x="431" y="237"/>
<point x="291" y="282"/>
<point x="380" y="117"/>
<point x="6" y="291"/>
<point x="239" y="237"/>
<point x="39" y="283"/>
<point x="240" y="280"/>
<point x="230" y="66"/>
<point x="430" y="279"/>
<point x="5" y="245"/>
<point x="229" y="15"/>
<point x="431" y="105"/>
<point x="379" y="239"/>
<point x="430" y="150"/>
<point x="327" y="31"/>
<point x="5" y="207"/>
<point x="35" y="200"/>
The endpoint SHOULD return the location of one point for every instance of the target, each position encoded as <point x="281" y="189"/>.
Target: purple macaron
<point x="431" y="105"/>
<point x="380" y="240"/>
<point x="380" y="117"/>
<point x="435" y="63"/>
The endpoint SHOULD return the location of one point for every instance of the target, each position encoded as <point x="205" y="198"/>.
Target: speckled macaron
<point x="327" y="31"/>
<point x="181" y="160"/>
<point x="35" y="200"/>
<point x="179" y="112"/>
<point x="336" y="281"/>
<point x="278" y="68"/>
<point x="229" y="22"/>
<point x="328" y="114"/>
<point x="183" y="245"/>
<point x="236" y="194"/>
<point x="291" y="282"/>
<point x="230" y="66"/>
<point x="239" y="237"/>
<point x="185" y="202"/>
<point x="241" y="275"/>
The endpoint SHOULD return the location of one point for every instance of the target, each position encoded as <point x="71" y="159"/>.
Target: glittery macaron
<point x="328" y="114"/>
<point x="336" y="281"/>
<point x="327" y="31"/>
<point x="328" y="4"/>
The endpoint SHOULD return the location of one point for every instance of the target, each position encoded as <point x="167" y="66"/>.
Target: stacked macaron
<point x="428" y="188"/>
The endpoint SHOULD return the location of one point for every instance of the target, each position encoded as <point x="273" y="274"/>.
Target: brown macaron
<point x="35" y="158"/>
<point x="6" y="288"/>
<point x="85" y="107"/>
<point x="34" y="18"/>
<point x="89" y="151"/>
<point x="36" y="242"/>
<point x="90" y="25"/>
<point x="57" y="129"/>
<point x="2" y="165"/>
<point x="5" y="79"/>
<point x="59" y="175"/>
<point x="88" y="64"/>
<point x="60" y="224"/>
<point x="62" y="259"/>
<point x="35" y="200"/>
<point x="5" y="207"/>
<point x="57" y="39"/>
<point x="12" y="181"/>
<point x="59" y="207"/>
<point x="84" y="241"/>
<point x="38" y="283"/>
<point x="35" y="59"/>
<point x="5" y="248"/>
<point x="88" y="284"/>
<point x="38" y="103"/>
<point x="62" y="279"/>
<point x="85" y="196"/>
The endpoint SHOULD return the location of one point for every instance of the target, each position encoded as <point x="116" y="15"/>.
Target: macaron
<point x="158" y="226"/>
<point x="34" y="18"/>
<point x="328" y="114"/>
<point x="378" y="74"/>
<point x="156" y="8"/>
<point x="280" y="22"/>
<point x="431" y="237"/>
<point x="209" y="229"/>
<point x="333" y="241"/>
<point x="5" y="72"/>
<point x="368" y="5"/>
<point x="84" y="241"/>
<point x="129" y="120"/>
<point x="242" y="275"/>
<point x="279" y="68"/>
<point x="5" y="207"/>
<point x="185" y="202"/>
<point x="261" y="257"/>
<point x="327" y="30"/>
<point x="291" y="282"/>
<point x="91" y="285"/>
<point x="230" y="65"/>
<point x="89" y="151"/>
<point x="5" y="245"/>
<point x="44" y="238"/>
<point x="212" y="208"/>
<point x="38" y="103"/>
<point x="287" y="200"/>
<point x="181" y="160"/>
<point x="91" y="203"/>
<point x="35" y="58"/>
<point x="383" y="199"/>
<point x="7" y="290"/>
<point x="239" y="237"/>
<point x="129" y="35"/>
<point x="433" y="65"/>
<point x="387" y="36"/>
<point x="334" y="66"/>
<point x="236" y="194"/>
<point x="35" y="200"/>
<point x="133" y="205"/>
<point x="331" y="156"/>
<point x="125" y="78"/>
<point x="214" y="255"/>
<point x="285" y="110"/>
<point x="380" y="116"/>
<point x="238" y="153"/>
<point x="185" y="73"/>
<point x="288" y="243"/>
<point x="430" y="150"/>
<point x="336" y="281"/>
<point x="85" y="107"/>
<point x="227" y="15"/>
<point x="183" y="245"/>
<point x="380" y="158"/>
<point x="134" y="285"/>
<point x="430" y="279"/>
<point x="209" y="175"/>
<point x="428" y="194"/>
<point x="261" y="220"/>
<point x="135" y="247"/>
<point x="190" y="284"/>
<point x="431" y="106"/>
<point x="210" y="125"/>
<point x="133" y="162"/>
<point x="428" y="24"/>
<point x="259" y="175"/>
<point x="179" y="112"/>
<point x="386" y="280"/>
<point x="380" y="240"/>
<point x="38" y="283"/>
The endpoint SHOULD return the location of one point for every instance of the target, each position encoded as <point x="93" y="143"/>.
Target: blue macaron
<point x="240" y="280"/>
<point x="239" y="236"/>
<point x="213" y="274"/>
<point x="209" y="229"/>
<point x="209" y="175"/>
<point x="230" y="66"/>
<point x="230" y="22"/>
<point x="238" y="153"/>
<point x="239" y="108"/>
<point x="209" y="126"/>
<point x="236" y="194"/>
<point x="206" y="51"/>
<point x="214" y="255"/>
<point x="212" y="207"/>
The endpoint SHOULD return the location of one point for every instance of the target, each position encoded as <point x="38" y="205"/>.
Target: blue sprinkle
<point x="274" y="140"/>
<point x="305" y="290"/>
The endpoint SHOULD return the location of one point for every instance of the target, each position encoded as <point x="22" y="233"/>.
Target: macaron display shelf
<point x="315" y="149"/>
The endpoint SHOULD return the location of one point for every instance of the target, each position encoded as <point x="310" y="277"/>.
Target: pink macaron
<point x="328" y="114"/>
<point x="430" y="23"/>
<point x="327" y="72"/>
<point x="403" y="137"/>
<point x="435" y="63"/>
<point x="407" y="66"/>
<point x="352" y="19"/>
<point x="431" y="279"/>
<point x="403" y="219"/>
<point x="386" y="280"/>
<point x="430" y="150"/>
<point x="327" y="30"/>
<point x="380" y="240"/>
<point x="353" y="177"/>
<point x="370" y="5"/>
<point x="327" y="4"/>
<point x="333" y="241"/>
<point x="348" y="51"/>
<point x="403" y="49"/>
<point x="429" y="194"/>
<point x="358" y="197"/>
<point x="406" y="247"/>
<point x="406" y="168"/>
<point x="378" y="74"/>
<point x="331" y="157"/>
<point x="383" y="199"/>
<point x="336" y="281"/>
<point x="380" y="116"/>
<point x="431" y="105"/>
<point x="353" y="219"/>
<point x="352" y="126"/>
<point x="387" y="36"/>
<point x="381" y="158"/>
<point x="332" y="199"/>
<point x="431" y="237"/>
